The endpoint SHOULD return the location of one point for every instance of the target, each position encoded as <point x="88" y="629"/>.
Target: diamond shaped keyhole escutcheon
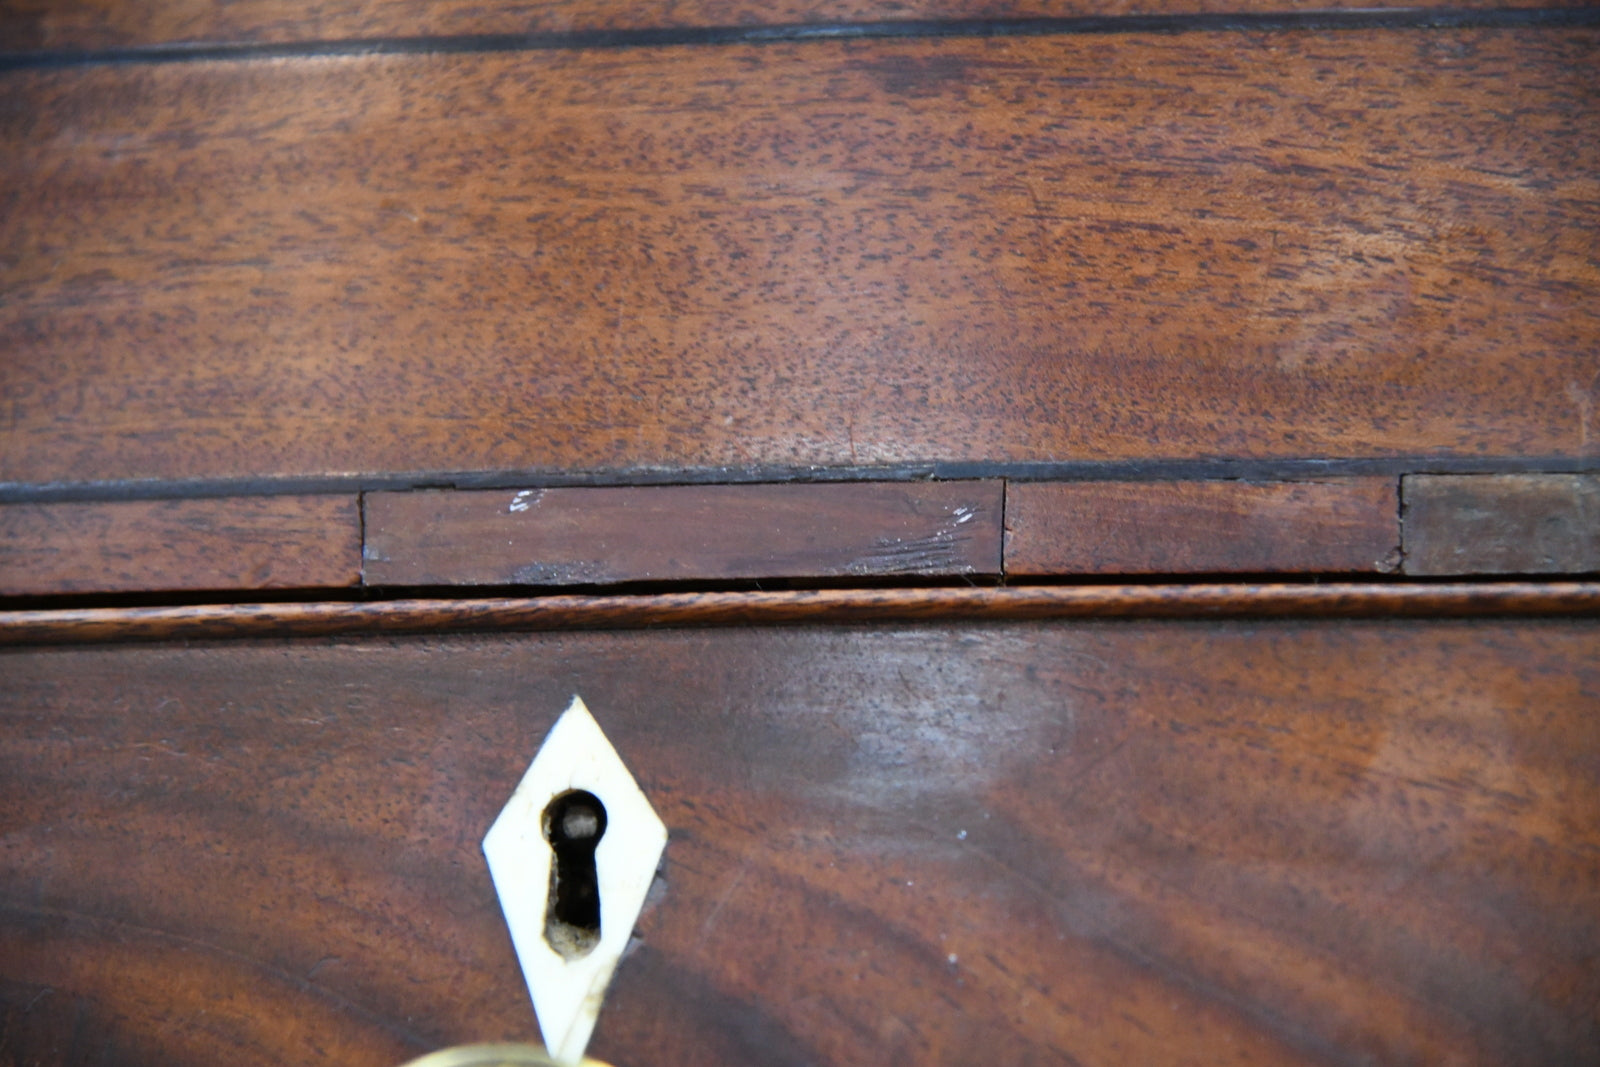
<point x="572" y="856"/>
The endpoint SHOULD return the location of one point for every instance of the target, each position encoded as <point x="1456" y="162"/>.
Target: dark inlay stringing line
<point x="1134" y="470"/>
<point x="1199" y="22"/>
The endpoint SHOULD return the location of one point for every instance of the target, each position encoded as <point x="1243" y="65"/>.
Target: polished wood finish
<point x="1502" y="524"/>
<point x="837" y="253"/>
<point x="27" y="25"/>
<point x="1095" y="825"/>
<point x="236" y="543"/>
<point x="682" y="533"/>
<point x="1140" y="842"/>
<point x="856" y="606"/>
<point x="1342" y="525"/>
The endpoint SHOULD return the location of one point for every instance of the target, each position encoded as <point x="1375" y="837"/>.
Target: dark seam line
<point x="1199" y="22"/>
<point x="1136" y="470"/>
<point x="361" y="543"/>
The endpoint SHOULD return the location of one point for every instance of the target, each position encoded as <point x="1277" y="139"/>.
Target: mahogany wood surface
<point x="1502" y="524"/>
<point x="238" y="543"/>
<point x="1344" y="525"/>
<point x="1077" y="843"/>
<point x="675" y="533"/>
<point x="80" y="24"/>
<point x="1130" y="247"/>
<point x="1092" y="824"/>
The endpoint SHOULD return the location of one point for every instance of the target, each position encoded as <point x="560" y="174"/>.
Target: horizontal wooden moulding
<point x="28" y="25"/>
<point x="836" y="253"/>
<point x="1348" y="525"/>
<point x="234" y="543"/>
<point x="1327" y="600"/>
<point x="679" y="533"/>
<point x="1502" y="524"/>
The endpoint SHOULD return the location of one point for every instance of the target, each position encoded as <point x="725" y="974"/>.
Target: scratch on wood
<point x="938" y="551"/>
<point x="578" y="572"/>
<point x="527" y="498"/>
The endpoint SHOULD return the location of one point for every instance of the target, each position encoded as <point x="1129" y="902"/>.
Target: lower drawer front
<point x="1089" y="843"/>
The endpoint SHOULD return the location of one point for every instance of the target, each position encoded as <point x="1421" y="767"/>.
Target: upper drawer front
<point x="1018" y="251"/>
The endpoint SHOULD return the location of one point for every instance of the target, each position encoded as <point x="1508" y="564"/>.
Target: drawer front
<point x="1061" y="842"/>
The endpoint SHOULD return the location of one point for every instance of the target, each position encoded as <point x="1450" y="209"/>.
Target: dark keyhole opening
<point x="573" y="824"/>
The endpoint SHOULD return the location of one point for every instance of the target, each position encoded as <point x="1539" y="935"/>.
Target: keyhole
<point x="574" y="822"/>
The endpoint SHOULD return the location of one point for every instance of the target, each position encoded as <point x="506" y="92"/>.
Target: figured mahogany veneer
<point x="1129" y="247"/>
<point x="1110" y="843"/>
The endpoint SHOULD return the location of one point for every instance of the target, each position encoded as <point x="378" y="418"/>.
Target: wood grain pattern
<point x="237" y="543"/>
<point x="681" y="533"/>
<point x="835" y="253"/>
<point x="1502" y="524"/>
<point x="1176" y="843"/>
<point x="1344" y="525"/>
<point x="854" y="606"/>
<point x="77" y="24"/>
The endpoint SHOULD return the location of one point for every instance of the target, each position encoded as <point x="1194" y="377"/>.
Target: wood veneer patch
<point x="1102" y="528"/>
<point x="1502" y="524"/>
<point x="229" y="543"/>
<point x="606" y="536"/>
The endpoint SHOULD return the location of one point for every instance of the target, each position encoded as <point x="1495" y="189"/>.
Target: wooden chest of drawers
<point x="1080" y="518"/>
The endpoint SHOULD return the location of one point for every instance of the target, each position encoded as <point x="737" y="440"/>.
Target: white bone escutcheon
<point x="568" y="967"/>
